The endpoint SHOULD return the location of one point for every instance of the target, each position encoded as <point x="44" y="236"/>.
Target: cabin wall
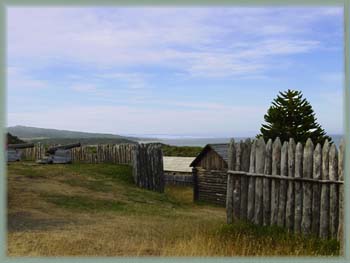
<point x="210" y="179"/>
<point x="209" y="186"/>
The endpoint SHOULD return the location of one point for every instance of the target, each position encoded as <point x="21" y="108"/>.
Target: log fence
<point x="289" y="185"/>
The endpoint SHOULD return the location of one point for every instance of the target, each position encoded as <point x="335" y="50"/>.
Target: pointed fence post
<point x="324" y="213"/>
<point x="236" y="182"/>
<point x="298" y="187"/>
<point x="267" y="185"/>
<point x="276" y="169"/>
<point x="316" y="194"/>
<point x="341" y="196"/>
<point x="246" y="147"/>
<point x="251" y="184"/>
<point x="283" y="186"/>
<point x="229" y="194"/>
<point x="290" y="186"/>
<point x="334" y="191"/>
<point x="307" y="187"/>
<point x="259" y="168"/>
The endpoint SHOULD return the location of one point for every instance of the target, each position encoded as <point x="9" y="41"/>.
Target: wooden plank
<point x="276" y="168"/>
<point x="307" y="187"/>
<point x="334" y="191"/>
<point x="230" y="181"/>
<point x="316" y="194"/>
<point x="251" y="183"/>
<point x="237" y="182"/>
<point x="290" y="191"/>
<point x="244" y="180"/>
<point x="340" y="235"/>
<point x="324" y="213"/>
<point x="281" y="215"/>
<point x="259" y="168"/>
<point x="267" y="185"/>
<point x="299" y="152"/>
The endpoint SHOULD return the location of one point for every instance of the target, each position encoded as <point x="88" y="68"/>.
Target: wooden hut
<point x="209" y="174"/>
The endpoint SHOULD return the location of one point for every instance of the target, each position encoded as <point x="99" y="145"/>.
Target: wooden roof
<point x="221" y="149"/>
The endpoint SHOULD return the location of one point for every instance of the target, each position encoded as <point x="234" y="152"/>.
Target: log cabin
<point x="209" y="171"/>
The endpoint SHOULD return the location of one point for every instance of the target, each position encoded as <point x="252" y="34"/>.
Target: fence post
<point x="259" y="168"/>
<point x="276" y="168"/>
<point x="267" y="185"/>
<point x="307" y="187"/>
<point x="244" y="180"/>
<point x="229" y="193"/>
<point x="341" y="197"/>
<point x="251" y="184"/>
<point x="324" y="215"/>
<point x="298" y="188"/>
<point x="283" y="186"/>
<point x="334" y="191"/>
<point x="316" y="195"/>
<point x="236" y="182"/>
<point x="290" y="187"/>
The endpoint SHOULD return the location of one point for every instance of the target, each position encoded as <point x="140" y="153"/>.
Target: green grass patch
<point x="112" y="172"/>
<point x="278" y="235"/>
<point x="84" y="203"/>
<point x="94" y="185"/>
<point x="182" y="151"/>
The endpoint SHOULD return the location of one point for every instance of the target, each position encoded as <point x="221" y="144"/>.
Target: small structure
<point x="59" y="154"/>
<point x="177" y="170"/>
<point x="209" y="171"/>
<point x="14" y="151"/>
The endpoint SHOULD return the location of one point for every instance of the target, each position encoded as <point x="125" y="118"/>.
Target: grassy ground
<point x="181" y="151"/>
<point x="95" y="210"/>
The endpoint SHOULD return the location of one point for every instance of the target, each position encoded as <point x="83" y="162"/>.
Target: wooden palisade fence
<point x="103" y="153"/>
<point x="290" y="185"/>
<point x="148" y="167"/>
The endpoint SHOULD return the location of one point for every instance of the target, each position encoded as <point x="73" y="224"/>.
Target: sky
<point x="201" y="72"/>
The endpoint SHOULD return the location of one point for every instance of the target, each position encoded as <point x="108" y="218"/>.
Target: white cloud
<point x="18" y="79"/>
<point x="143" y="120"/>
<point x="191" y="40"/>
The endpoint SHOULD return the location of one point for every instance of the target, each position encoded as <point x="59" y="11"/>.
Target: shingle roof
<point x="221" y="149"/>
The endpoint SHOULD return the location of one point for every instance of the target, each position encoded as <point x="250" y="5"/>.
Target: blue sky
<point x="177" y="71"/>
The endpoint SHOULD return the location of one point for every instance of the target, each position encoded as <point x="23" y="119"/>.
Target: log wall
<point x="290" y="185"/>
<point x="209" y="186"/>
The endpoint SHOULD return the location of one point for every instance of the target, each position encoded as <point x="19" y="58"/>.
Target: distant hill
<point x="54" y="136"/>
<point x="13" y="139"/>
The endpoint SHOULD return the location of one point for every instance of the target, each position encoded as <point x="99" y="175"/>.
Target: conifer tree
<point x="292" y="116"/>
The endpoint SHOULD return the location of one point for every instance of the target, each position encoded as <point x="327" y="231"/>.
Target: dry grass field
<point x="95" y="210"/>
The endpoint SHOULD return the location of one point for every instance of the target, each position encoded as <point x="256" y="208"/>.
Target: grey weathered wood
<point x="340" y="235"/>
<point x="229" y="193"/>
<point x="283" y="186"/>
<point x="298" y="187"/>
<point x="231" y="153"/>
<point x="259" y="168"/>
<point x="307" y="187"/>
<point x="276" y="169"/>
<point x="290" y="188"/>
<point x="244" y="180"/>
<point x="316" y="194"/>
<point x="334" y="191"/>
<point x="236" y="182"/>
<point x="251" y="183"/>
<point x="324" y="213"/>
<point x="148" y="167"/>
<point x="267" y="185"/>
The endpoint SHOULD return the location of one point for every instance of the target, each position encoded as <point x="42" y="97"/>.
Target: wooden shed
<point x="209" y="171"/>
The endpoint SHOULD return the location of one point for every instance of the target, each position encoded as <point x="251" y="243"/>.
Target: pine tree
<point x="291" y="116"/>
